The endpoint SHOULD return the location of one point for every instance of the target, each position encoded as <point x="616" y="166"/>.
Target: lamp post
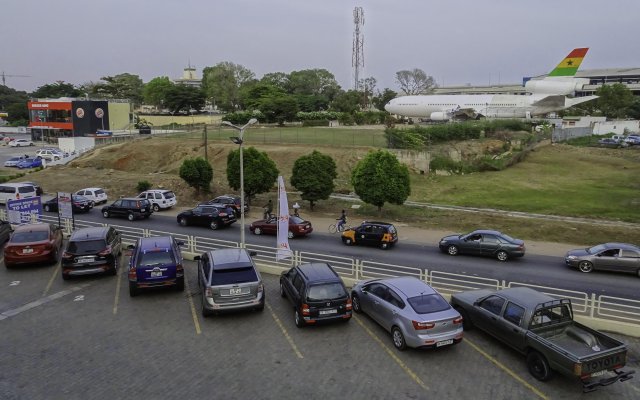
<point x="239" y="140"/>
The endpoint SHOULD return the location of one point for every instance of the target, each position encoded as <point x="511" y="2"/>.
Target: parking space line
<point x="115" y="301"/>
<point x="194" y="315"/>
<point x="41" y="301"/>
<point x="284" y="332"/>
<point x="506" y="369"/>
<point x="53" y="276"/>
<point x="395" y="358"/>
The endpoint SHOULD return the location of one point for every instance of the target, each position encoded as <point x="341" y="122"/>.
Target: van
<point x="14" y="191"/>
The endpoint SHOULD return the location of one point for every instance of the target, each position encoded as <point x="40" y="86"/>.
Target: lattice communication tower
<point x="357" y="57"/>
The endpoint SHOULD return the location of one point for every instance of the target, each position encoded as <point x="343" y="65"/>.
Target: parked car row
<point x="27" y="161"/>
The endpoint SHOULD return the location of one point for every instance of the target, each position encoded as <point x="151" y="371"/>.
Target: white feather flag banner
<point x="284" y="251"/>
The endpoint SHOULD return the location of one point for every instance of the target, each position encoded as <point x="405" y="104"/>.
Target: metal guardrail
<point x="602" y="307"/>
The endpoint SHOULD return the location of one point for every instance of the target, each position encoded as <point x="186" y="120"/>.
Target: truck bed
<point x="577" y="340"/>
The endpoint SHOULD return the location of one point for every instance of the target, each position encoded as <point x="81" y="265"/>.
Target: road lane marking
<point x="115" y="300"/>
<point x="14" y="283"/>
<point x="506" y="369"/>
<point x="53" y="276"/>
<point x="41" y="301"/>
<point x="395" y="358"/>
<point x="284" y="332"/>
<point x="194" y="315"/>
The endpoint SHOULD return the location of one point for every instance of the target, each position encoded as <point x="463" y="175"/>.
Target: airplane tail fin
<point x="569" y="66"/>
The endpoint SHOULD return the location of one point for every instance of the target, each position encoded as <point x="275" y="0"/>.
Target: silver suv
<point x="160" y="199"/>
<point x="229" y="281"/>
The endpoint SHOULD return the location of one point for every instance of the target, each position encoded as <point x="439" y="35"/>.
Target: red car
<point x="297" y="227"/>
<point x="33" y="244"/>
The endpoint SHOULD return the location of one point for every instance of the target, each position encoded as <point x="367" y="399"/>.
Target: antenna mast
<point x="357" y="57"/>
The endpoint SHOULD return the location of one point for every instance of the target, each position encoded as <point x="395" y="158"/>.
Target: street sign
<point x="65" y="205"/>
<point x="24" y="211"/>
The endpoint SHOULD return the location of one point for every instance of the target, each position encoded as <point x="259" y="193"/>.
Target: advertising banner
<point x="65" y="208"/>
<point x="24" y="211"/>
<point x="283" y="223"/>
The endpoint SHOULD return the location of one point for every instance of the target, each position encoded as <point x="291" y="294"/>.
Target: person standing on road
<point x="268" y="209"/>
<point x="296" y="207"/>
<point x="341" y="221"/>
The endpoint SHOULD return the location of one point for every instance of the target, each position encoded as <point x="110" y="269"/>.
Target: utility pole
<point x="357" y="56"/>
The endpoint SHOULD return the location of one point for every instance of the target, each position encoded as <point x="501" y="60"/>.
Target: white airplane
<point x="543" y="96"/>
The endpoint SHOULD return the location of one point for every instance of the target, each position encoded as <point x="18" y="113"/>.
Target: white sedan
<point x="21" y="143"/>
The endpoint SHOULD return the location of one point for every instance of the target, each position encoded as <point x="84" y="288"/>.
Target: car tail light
<point x="9" y="249"/>
<point x="208" y="292"/>
<point x="17" y="196"/>
<point x="305" y="309"/>
<point x="105" y="252"/>
<point x="133" y="273"/>
<point x="260" y="288"/>
<point x="422" y="325"/>
<point x="223" y="214"/>
<point x="457" y="320"/>
<point x="349" y="306"/>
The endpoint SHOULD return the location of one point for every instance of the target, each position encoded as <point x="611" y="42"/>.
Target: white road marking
<point x="41" y="301"/>
<point x="79" y="298"/>
<point x="14" y="283"/>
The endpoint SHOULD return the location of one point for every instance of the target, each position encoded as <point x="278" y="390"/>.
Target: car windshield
<point x="86" y="246"/>
<point x="233" y="275"/>
<point x="596" y="249"/>
<point x="156" y="258"/>
<point x="296" y="220"/>
<point x="326" y="291"/>
<point x="425" y="304"/>
<point x="26" y="237"/>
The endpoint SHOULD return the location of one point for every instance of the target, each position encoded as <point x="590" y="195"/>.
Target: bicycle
<point x="333" y="228"/>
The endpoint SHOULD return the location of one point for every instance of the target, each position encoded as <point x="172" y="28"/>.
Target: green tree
<point x="260" y="172"/>
<point x="615" y="100"/>
<point x="277" y="79"/>
<point x="222" y="82"/>
<point x="347" y="102"/>
<point x="380" y="178"/>
<point x="279" y="109"/>
<point x="381" y="99"/>
<point x="254" y="95"/>
<point x="18" y="114"/>
<point x="634" y="109"/>
<point x="121" y="86"/>
<point x="155" y="91"/>
<point x="367" y="88"/>
<point x="15" y="104"/>
<point x="56" y="90"/>
<point x="197" y="172"/>
<point x="313" y="175"/>
<point x="184" y="98"/>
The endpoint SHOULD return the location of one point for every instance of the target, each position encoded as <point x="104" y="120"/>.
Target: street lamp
<point x="238" y="140"/>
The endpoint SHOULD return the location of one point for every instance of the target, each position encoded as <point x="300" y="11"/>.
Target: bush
<point x="346" y="119"/>
<point x="143" y="186"/>
<point x="242" y="117"/>
<point x="318" y="115"/>
<point x="315" y="122"/>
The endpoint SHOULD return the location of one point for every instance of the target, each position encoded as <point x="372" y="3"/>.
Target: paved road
<point x="87" y="339"/>
<point x="532" y="269"/>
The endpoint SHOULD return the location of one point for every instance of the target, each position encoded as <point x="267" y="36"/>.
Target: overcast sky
<point x="457" y="42"/>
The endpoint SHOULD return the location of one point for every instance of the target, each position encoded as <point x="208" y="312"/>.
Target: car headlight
<point x="571" y="258"/>
<point x="443" y="241"/>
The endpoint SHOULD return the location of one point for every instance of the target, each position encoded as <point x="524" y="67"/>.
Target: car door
<point x="471" y="244"/>
<point x="628" y="260"/>
<point x="378" y="293"/>
<point x="509" y="328"/>
<point x="270" y="227"/>
<point x="287" y="283"/>
<point x="208" y="214"/>
<point x="488" y="310"/>
<point x="489" y="244"/>
<point x="388" y="309"/>
<point x="116" y="208"/>
<point x="607" y="260"/>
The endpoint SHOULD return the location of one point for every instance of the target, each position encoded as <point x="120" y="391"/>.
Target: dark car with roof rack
<point x="155" y="262"/>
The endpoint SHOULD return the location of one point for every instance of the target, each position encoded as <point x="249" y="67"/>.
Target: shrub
<point x="315" y="122"/>
<point x="143" y="186"/>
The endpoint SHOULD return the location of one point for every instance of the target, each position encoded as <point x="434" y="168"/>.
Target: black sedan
<point x="618" y="257"/>
<point x="483" y="243"/>
<point x="79" y="204"/>
<point x="213" y="216"/>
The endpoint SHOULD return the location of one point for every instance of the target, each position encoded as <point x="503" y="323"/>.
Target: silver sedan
<point x="616" y="257"/>
<point x="414" y="313"/>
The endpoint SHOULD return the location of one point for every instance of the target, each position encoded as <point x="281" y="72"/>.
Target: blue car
<point x="30" y="163"/>
<point x="155" y="262"/>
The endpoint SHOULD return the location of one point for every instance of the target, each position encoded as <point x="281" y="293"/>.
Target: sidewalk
<point x="406" y="232"/>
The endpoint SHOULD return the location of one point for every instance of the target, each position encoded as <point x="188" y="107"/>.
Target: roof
<point x="90" y="188"/>
<point x="626" y="246"/>
<point x="487" y="231"/>
<point x="230" y="258"/>
<point x="318" y="272"/>
<point x="525" y="296"/>
<point x="91" y="233"/>
<point x="157" y="190"/>
<point x="32" y="227"/>
<point x="409" y="286"/>
<point x="377" y="222"/>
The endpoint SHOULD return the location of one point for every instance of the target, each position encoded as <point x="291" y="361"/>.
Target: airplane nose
<point x="388" y="107"/>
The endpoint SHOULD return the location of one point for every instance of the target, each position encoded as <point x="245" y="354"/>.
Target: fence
<point x="603" y="307"/>
<point x="564" y="134"/>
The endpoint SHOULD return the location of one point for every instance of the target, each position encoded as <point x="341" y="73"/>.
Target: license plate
<point x="444" y="343"/>
<point x="328" y="312"/>
<point x="599" y="373"/>
<point x="156" y="273"/>
<point x="27" y="251"/>
<point x="233" y="291"/>
<point x="85" y="259"/>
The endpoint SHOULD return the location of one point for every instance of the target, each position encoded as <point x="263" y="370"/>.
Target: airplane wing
<point x="551" y="101"/>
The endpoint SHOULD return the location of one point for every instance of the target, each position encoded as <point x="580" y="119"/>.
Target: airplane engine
<point x="555" y="87"/>
<point x="439" y="116"/>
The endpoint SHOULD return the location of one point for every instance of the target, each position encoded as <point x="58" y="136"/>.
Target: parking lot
<point x="86" y="338"/>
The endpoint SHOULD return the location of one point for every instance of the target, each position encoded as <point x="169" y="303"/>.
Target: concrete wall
<point x="416" y="160"/>
<point x="618" y="127"/>
<point x="76" y="144"/>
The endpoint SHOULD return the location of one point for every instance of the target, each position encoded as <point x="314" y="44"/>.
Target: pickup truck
<point x="542" y="328"/>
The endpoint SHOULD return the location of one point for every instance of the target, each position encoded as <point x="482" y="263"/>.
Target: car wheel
<point x="8" y="266"/>
<point x="398" y="338"/>
<point x="502" y="255"/>
<point x="290" y="235"/>
<point x="348" y="241"/>
<point x="585" y="266"/>
<point x="355" y="303"/>
<point x="452" y="250"/>
<point x="130" y="217"/>
<point x="65" y="277"/>
<point x="183" y="221"/>
<point x="261" y="306"/>
<point x="283" y="293"/>
<point x="384" y="246"/>
<point x="257" y="231"/>
<point x="205" y="313"/>
<point x="105" y="214"/>
<point x="638" y="273"/>
<point x="213" y="225"/>
<point x="180" y="285"/>
<point x="539" y="366"/>
<point x="156" y="208"/>
<point x="54" y="256"/>
<point x="297" y="318"/>
<point x="133" y="289"/>
<point x="47" y="208"/>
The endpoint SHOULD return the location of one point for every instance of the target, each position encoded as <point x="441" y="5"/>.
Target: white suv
<point x="160" y="199"/>
<point x="97" y="195"/>
<point x="48" y="154"/>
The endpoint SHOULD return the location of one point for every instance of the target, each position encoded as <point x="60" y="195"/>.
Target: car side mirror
<point x="253" y="253"/>
<point x="131" y="247"/>
<point x="197" y="258"/>
<point x="180" y="243"/>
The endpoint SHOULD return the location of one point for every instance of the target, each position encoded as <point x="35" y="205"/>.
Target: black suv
<point x="90" y="251"/>
<point x="131" y="208"/>
<point x="232" y="201"/>
<point x="212" y="215"/>
<point x="373" y="233"/>
<point x="317" y="294"/>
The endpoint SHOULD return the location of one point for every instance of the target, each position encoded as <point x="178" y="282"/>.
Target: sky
<point x="456" y="42"/>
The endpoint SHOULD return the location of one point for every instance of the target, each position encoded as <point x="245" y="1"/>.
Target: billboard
<point x="24" y="211"/>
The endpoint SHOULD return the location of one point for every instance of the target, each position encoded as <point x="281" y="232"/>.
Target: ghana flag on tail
<point x="569" y="66"/>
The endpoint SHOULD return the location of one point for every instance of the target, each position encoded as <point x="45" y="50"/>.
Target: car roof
<point x="91" y="233"/>
<point x="525" y="296"/>
<point x="132" y="198"/>
<point x="157" y="190"/>
<point x="230" y="259"/>
<point x="228" y="196"/>
<point x="32" y="227"/>
<point x="626" y="246"/>
<point x="155" y="242"/>
<point x="487" y="231"/>
<point x="318" y="271"/>
<point x="408" y="286"/>
<point x="377" y="223"/>
<point x="90" y="188"/>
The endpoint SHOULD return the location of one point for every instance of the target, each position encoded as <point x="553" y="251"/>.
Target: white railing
<point x="602" y="307"/>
